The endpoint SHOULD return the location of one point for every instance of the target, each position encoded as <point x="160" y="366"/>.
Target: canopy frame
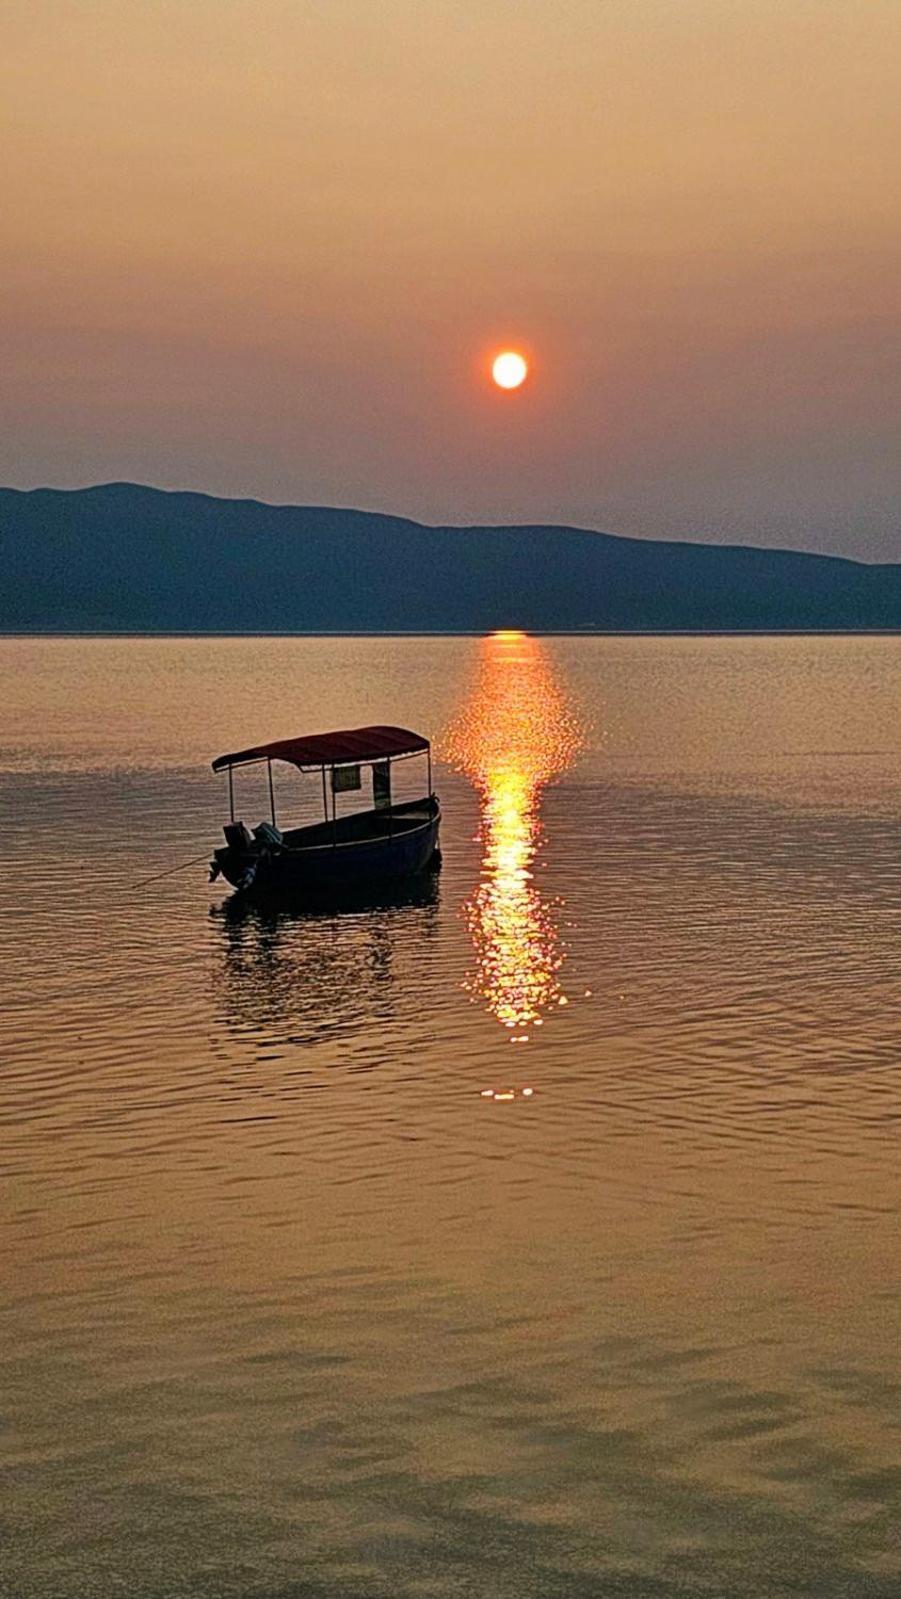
<point x="329" y="751"/>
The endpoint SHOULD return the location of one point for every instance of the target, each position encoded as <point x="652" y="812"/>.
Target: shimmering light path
<point x="517" y="731"/>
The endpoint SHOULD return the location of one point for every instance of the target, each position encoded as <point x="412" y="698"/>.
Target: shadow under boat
<point x="270" y="911"/>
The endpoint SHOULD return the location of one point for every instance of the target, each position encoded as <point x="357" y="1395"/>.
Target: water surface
<point x="534" y="1235"/>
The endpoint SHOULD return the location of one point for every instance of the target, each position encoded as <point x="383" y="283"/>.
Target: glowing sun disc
<point x="509" y="369"/>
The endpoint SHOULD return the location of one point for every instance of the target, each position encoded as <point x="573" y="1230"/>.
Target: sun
<point x="509" y="369"/>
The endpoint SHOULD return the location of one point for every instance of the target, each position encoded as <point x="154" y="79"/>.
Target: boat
<point x="347" y="851"/>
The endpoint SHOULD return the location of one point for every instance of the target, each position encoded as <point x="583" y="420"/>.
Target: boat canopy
<point x="351" y="746"/>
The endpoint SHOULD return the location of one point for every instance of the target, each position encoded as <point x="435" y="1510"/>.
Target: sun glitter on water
<point x="509" y="369"/>
<point x="516" y="732"/>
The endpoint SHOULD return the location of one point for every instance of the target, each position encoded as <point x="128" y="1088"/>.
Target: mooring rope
<point x="142" y="882"/>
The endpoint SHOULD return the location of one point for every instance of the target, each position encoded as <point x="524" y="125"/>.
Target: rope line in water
<point x="142" y="881"/>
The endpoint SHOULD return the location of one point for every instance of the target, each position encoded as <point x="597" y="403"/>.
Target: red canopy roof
<point x="332" y="749"/>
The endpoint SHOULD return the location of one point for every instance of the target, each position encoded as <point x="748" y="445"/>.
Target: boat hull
<point x="332" y="869"/>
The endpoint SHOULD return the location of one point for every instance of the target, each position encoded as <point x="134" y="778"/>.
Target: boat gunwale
<point x="357" y="843"/>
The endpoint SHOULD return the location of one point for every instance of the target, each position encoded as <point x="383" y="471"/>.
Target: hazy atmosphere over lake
<point x="265" y="247"/>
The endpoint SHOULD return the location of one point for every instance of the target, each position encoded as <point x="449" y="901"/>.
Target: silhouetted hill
<point x="125" y="558"/>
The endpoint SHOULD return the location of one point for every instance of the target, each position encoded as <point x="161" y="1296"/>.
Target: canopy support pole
<point x="334" y="811"/>
<point x="390" y="802"/>
<point x="324" y="796"/>
<point x="231" y="793"/>
<point x="271" y="792"/>
<point x="428" y="756"/>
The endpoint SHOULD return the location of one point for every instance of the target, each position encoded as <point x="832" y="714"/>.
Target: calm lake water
<point x="302" y="1293"/>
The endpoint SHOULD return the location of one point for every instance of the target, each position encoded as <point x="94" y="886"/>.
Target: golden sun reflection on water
<point x="516" y="732"/>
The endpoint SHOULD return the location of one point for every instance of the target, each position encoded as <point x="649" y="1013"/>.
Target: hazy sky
<point x="264" y="247"/>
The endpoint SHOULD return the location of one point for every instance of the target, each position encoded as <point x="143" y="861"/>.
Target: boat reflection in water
<point x="303" y="975"/>
<point x="517" y="732"/>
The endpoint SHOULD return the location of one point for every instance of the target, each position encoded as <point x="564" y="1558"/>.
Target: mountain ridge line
<point x="122" y="557"/>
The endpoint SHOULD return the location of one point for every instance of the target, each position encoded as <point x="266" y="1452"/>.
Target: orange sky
<point x="264" y="249"/>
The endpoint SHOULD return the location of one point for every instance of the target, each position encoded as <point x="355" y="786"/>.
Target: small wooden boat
<point x="344" y="852"/>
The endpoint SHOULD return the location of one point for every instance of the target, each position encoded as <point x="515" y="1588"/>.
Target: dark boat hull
<point x="318" y="869"/>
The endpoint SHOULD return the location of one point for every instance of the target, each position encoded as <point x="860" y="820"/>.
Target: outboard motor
<point x="237" y="837"/>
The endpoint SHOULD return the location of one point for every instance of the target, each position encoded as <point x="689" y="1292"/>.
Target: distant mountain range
<point x="122" y="558"/>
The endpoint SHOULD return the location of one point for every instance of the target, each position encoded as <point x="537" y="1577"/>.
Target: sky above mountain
<point x="268" y="247"/>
